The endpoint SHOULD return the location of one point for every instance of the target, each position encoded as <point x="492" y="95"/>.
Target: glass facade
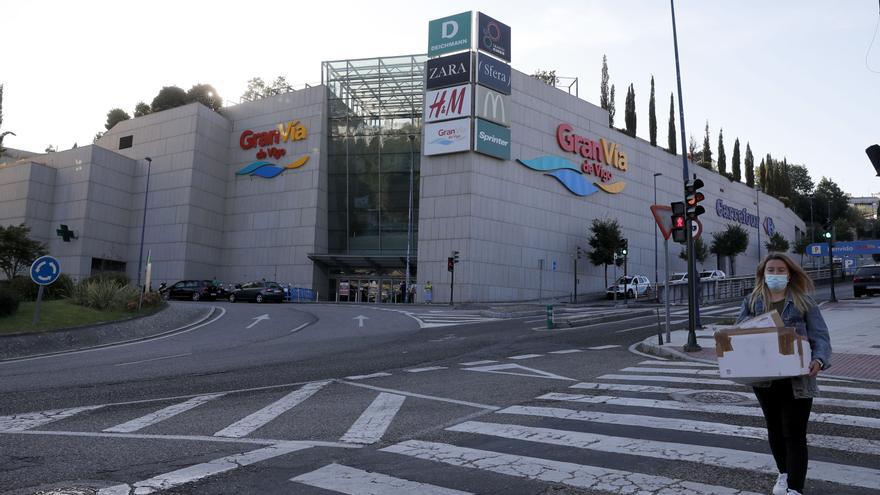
<point x="374" y="138"/>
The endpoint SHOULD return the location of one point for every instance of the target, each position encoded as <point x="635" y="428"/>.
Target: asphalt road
<point x="315" y="400"/>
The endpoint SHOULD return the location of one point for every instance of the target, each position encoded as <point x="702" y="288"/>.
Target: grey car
<point x="258" y="292"/>
<point x="866" y="281"/>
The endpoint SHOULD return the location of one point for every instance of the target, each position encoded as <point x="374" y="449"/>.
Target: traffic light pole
<point x="831" y="232"/>
<point x="625" y="275"/>
<point x="575" y="292"/>
<point x="452" y="285"/>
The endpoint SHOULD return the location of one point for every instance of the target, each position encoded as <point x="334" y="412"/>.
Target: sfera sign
<point x="449" y="34"/>
<point x="450" y="136"/>
<point x="742" y="216"/>
<point x="448" y="71"/>
<point x="492" y="106"/>
<point x="493" y="36"/>
<point x="493" y="74"/>
<point x="448" y="103"/>
<point x="492" y="140"/>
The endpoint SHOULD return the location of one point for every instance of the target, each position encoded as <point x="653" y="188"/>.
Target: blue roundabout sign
<point x="45" y="270"/>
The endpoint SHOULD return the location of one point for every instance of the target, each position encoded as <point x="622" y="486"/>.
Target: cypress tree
<point x="604" y="97"/>
<point x="750" y="166"/>
<point x="737" y="172"/>
<point x="611" y="108"/>
<point x="705" y="156"/>
<point x="630" y="111"/>
<point x="670" y="133"/>
<point x="652" y="117"/>
<point x="722" y="157"/>
<point x="762" y="176"/>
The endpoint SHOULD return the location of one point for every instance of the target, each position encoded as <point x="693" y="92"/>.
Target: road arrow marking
<point x="517" y="370"/>
<point x="258" y="319"/>
<point x="360" y="320"/>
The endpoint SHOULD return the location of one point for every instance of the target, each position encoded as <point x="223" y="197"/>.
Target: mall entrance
<point x="367" y="279"/>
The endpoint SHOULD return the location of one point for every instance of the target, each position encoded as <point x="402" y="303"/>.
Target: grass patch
<point x="60" y="314"/>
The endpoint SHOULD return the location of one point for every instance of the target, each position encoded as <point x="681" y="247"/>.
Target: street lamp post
<point x="758" y="205"/>
<point x="656" y="227"/>
<point x="143" y="229"/>
<point x="409" y="230"/>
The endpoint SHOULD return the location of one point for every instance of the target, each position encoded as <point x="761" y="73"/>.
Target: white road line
<point x="566" y="351"/>
<point x="375" y="420"/>
<point x="606" y="480"/>
<point x="366" y="377"/>
<point x="256" y="420"/>
<point x="351" y="481"/>
<point x="423" y="396"/>
<point x="650" y="325"/>
<point x="678" y="363"/>
<point x="822" y="401"/>
<point x="161" y="415"/>
<point x="672" y="379"/>
<point x="478" y="363"/>
<point x="154" y="359"/>
<point x="600" y="323"/>
<point x="202" y="471"/>
<point x="26" y="421"/>
<point x="525" y="356"/>
<point x="602" y="347"/>
<point x="846" y="444"/>
<point x="429" y="368"/>
<point x="839" y="419"/>
<point x="635" y="369"/>
<point x="297" y="329"/>
<point x="715" y="456"/>
<point x="518" y="370"/>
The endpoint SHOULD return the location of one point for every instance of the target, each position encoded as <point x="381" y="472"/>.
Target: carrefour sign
<point x="739" y="215"/>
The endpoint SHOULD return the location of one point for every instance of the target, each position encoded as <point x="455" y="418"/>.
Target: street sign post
<point x="44" y="271"/>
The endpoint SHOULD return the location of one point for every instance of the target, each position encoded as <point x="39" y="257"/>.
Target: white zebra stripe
<point x="256" y="420"/>
<point x="351" y="481"/>
<point x="713" y="381"/>
<point x="375" y="420"/>
<point x="27" y="421"/>
<point x="161" y="415"/>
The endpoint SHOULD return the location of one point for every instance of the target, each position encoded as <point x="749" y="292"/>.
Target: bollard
<point x="550" y="323"/>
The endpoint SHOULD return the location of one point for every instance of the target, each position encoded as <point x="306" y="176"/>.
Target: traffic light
<point x="624" y="247"/>
<point x="580" y="252"/>
<point x="873" y="152"/>
<point x="450" y="264"/>
<point x="693" y="198"/>
<point x="826" y="231"/>
<point x="678" y="224"/>
<point x="455" y="256"/>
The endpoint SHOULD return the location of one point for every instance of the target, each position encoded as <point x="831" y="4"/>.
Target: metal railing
<point x="723" y="290"/>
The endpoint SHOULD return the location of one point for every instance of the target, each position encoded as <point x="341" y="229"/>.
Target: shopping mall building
<point x="312" y="187"/>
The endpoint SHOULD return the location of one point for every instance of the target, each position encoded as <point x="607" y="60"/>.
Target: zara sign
<point x="449" y="71"/>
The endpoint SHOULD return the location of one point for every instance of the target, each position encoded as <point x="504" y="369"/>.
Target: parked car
<point x="866" y="281"/>
<point x="194" y="290"/>
<point x="258" y="292"/>
<point x="678" y="278"/>
<point x="708" y="275"/>
<point x="631" y="286"/>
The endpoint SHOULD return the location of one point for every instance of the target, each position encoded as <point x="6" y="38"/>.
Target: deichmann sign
<point x="448" y="71"/>
<point x="447" y="137"/>
<point x="491" y="139"/>
<point x="449" y="34"/>
<point x="742" y="216"/>
<point x="448" y="103"/>
<point x="493" y="74"/>
<point x="492" y="106"/>
<point x="493" y="37"/>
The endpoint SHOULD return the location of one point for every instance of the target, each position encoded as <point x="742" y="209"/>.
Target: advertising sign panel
<point x="852" y="248"/>
<point x="449" y="34"/>
<point x="491" y="139"/>
<point x="447" y="137"/>
<point x="493" y="37"/>
<point x="492" y="106"/>
<point x="448" y="71"/>
<point x="448" y="103"/>
<point x="493" y="74"/>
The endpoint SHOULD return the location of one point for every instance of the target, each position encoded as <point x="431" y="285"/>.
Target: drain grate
<point x="719" y="397"/>
<point x="68" y="491"/>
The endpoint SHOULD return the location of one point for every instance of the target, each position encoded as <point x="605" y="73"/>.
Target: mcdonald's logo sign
<point x="492" y="106"/>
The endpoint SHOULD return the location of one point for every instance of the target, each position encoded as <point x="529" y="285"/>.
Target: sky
<point x="793" y="78"/>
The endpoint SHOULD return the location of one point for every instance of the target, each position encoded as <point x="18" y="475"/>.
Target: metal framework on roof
<point x="383" y="87"/>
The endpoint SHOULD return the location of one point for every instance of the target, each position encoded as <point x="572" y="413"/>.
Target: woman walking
<point x="783" y="286"/>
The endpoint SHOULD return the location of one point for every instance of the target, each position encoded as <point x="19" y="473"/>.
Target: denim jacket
<point x="810" y="325"/>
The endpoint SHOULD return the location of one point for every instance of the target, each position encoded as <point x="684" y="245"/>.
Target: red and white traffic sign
<point x="696" y="228"/>
<point x="663" y="218"/>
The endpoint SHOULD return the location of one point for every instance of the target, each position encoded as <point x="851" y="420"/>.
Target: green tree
<point x="828" y="190"/>
<point x="206" y="95"/>
<point x="6" y="133"/>
<point x="722" y="157"/>
<point x="17" y="249"/>
<point x="801" y="182"/>
<point x="652" y="116"/>
<point x="114" y="117"/>
<point x="256" y="89"/>
<point x="736" y="172"/>
<point x="141" y="109"/>
<point x="606" y="96"/>
<point x="731" y="242"/>
<point x="605" y="241"/>
<point x="670" y="132"/>
<point x="750" y="166"/>
<point x="777" y="244"/>
<point x="612" y="109"/>
<point x="629" y="115"/>
<point x="169" y="97"/>
<point x="547" y="76"/>
<point x="762" y="175"/>
<point x="800" y="246"/>
<point x="701" y="252"/>
<point x="692" y="150"/>
<point x="705" y="156"/>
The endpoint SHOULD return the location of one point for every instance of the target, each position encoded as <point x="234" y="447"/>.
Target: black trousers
<point x="787" y="419"/>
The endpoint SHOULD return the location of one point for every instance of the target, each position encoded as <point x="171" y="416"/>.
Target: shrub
<point x="108" y="293"/>
<point x="8" y="303"/>
<point x="26" y="290"/>
<point x="118" y="277"/>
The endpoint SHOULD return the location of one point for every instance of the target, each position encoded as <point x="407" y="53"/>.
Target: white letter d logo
<point x="449" y="29"/>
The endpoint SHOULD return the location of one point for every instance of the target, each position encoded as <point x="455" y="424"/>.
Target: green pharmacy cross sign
<point x="65" y="233"/>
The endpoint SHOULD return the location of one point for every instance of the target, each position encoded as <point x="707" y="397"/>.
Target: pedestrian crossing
<point x="659" y="427"/>
<point x="440" y="318"/>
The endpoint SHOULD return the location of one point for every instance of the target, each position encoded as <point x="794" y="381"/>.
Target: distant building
<point x="866" y="205"/>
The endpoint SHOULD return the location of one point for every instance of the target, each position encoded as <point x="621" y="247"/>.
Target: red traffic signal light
<point x="678" y="222"/>
<point x="450" y="264"/>
<point x="693" y="197"/>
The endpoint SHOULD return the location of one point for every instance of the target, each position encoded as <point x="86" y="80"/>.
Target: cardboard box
<point x="760" y="349"/>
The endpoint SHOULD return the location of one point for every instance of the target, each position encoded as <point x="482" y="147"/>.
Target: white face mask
<point x="776" y="283"/>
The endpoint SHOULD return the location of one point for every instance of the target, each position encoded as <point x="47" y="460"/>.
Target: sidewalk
<point x="854" y="325"/>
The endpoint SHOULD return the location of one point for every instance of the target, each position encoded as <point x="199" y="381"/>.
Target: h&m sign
<point x="448" y="103"/>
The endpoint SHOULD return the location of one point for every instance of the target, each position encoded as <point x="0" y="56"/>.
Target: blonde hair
<point x="799" y="284"/>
